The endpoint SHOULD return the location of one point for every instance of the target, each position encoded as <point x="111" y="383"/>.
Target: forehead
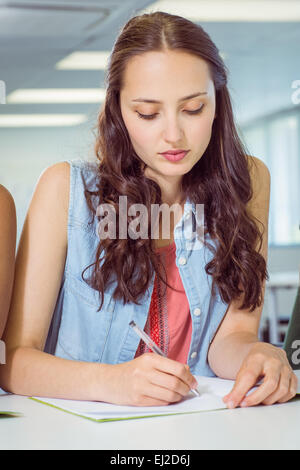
<point x="158" y="72"/>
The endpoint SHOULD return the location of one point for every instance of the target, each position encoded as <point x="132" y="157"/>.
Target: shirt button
<point x="193" y="355"/>
<point x="197" y="312"/>
<point x="182" y="260"/>
<point x="187" y="216"/>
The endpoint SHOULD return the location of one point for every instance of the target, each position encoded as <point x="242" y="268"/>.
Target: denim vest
<point x="79" y="332"/>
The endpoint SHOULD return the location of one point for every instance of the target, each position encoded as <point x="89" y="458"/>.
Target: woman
<point x="166" y="91"/>
<point x="7" y="253"/>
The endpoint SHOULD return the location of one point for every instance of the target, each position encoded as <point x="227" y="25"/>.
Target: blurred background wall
<point x="52" y="63"/>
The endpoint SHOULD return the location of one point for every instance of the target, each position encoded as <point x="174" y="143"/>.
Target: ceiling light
<point x="41" y="120"/>
<point x="57" y="95"/>
<point x="230" y="10"/>
<point x="85" y="60"/>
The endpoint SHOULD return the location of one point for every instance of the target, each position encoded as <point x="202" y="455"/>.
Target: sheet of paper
<point x="211" y="392"/>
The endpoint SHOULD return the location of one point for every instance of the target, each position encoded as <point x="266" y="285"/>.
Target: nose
<point x="173" y="132"/>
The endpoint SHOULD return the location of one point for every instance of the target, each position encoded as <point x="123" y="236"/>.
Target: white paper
<point x="211" y="391"/>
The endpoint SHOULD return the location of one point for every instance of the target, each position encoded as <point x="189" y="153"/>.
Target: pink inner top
<point x="172" y="328"/>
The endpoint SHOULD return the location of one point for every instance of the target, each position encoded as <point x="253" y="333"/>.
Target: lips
<point x="174" y="152"/>
<point x="175" y="155"/>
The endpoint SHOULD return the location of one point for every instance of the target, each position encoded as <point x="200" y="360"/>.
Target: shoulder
<point x="48" y="210"/>
<point x="7" y="205"/>
<point x="61" y="186"/>
<point x="56" y="174"/>
<point x="5" y="196"/>
<point x="60" y="173"/>
<point x="259" y="173"/>
<point x="54" y="183"/>
<point x="260" y="183"/>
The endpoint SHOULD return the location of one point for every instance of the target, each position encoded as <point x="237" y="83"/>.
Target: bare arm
<point x="7" y="252"/>
<point x="39" y="268"/>
<point x="147" y="380"/>
<point x="239" y="329"/>
<point x="236" y="352"/>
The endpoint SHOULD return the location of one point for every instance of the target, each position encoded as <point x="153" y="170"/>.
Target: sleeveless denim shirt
<point x="78" y="332"/>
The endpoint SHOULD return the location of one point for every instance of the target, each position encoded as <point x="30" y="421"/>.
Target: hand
<point x="150" y="380"/>
<point x="279" y="384"/>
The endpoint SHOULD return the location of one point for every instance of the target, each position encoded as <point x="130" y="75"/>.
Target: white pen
<point x="153" y="346"/>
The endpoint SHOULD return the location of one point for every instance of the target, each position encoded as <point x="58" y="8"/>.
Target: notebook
<point x="211" y="390"/>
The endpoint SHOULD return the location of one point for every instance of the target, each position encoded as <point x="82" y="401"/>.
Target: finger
<point x="269" y="385"/>
<point x="171" y="382"/>
<point x="281" y="390"/>
<point x="292" y="389"/>
<point x="149" y="401"/>
<point x="169" y="366"/>
<point x="245" y="380"/>
<point x="161" y="393"/>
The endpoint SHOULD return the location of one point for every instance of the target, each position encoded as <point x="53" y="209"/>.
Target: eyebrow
<point x="145" y="100"/>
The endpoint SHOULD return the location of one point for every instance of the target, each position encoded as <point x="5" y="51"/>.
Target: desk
<point x="42" y="427"/>
<point x="280" y="280"/>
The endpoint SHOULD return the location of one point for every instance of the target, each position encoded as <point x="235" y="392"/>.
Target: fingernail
<point x="230" y="404"/>
<point x="244" y="403"/>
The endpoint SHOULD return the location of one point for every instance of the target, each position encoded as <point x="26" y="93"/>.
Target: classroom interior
<point x="53" y="57"/>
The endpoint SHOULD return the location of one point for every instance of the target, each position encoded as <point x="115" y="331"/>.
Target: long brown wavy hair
<point x="220" y="179"/>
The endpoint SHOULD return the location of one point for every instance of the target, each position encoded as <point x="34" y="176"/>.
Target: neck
<point x="170" y="186"/>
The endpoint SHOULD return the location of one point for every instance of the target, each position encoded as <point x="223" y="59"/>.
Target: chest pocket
<point x="83" y="331"/>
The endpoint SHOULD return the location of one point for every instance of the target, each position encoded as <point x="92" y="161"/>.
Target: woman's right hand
<point x="149" y="380"/>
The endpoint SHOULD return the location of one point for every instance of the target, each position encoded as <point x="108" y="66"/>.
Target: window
<point x="275" y="141"/>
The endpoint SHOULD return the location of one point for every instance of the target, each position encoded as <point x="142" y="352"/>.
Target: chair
<point x="292" y="339"/>
<point x="278" y="281"/>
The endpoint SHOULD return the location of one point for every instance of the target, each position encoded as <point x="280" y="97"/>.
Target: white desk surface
<point x="42" y="427"/>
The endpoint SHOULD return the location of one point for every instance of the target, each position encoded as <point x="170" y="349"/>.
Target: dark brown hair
<point x="220" y="179"/>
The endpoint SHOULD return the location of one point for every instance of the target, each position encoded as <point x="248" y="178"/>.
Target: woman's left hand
<point x="279" y="381"/>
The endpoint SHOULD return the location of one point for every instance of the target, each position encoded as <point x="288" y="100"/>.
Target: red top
<point x="169" y="321"/>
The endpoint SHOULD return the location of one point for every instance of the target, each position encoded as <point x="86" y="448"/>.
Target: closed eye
<point x="152" y="116"/>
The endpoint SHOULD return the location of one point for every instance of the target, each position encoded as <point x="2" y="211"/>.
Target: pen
<point x="153" y="346"/>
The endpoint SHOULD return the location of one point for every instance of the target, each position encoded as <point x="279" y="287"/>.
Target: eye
<point x="152" y="116"/>
<point x="196" y="111"/>
<point x="146" y="116"/>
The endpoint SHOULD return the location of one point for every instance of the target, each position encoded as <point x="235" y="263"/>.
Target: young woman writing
<point x="166" y="94"/>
